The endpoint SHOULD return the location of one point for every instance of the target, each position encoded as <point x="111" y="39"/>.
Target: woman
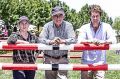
<point x="23" y="56"/>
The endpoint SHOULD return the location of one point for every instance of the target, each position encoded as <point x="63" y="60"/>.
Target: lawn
<point x="112" y="58"/>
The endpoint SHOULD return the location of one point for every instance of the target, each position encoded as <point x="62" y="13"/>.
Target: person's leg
<point x="18" y="74"/>
<point x="48" y="73"/>
<point x="86" y="75"/>
<point x="99" y="74"/>
<point x="30" y="74"/>
<point x="62" y="73"/>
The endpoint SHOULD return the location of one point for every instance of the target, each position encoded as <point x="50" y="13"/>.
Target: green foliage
<point x="105" y="18"/>
<point x="39" y="12"/>
<point x="84" y="15"/>
<point x="112" y="58"/>
<point x="116" y="25"/>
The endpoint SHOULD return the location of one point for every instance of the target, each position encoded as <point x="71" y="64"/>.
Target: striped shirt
<point x="23" y="56"/>
<point x="104" y="33"/>
<point x="50" y="31"/>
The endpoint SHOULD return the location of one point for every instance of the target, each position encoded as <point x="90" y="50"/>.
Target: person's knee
<point x="62" y="76"/>
<point x="99" y="75"/>
<point x="84" y="75"/>
<point x="50" y="74"/>
<point x="18" y="75"/>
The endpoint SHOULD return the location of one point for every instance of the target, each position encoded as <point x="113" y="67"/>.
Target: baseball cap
<point x="23" y="18"/>
<point x="57" y="10"/>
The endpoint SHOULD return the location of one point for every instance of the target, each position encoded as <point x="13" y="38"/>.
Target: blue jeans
<point x="23" y="74"/>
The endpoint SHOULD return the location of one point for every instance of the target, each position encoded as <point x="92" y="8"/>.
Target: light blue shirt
<point x="49" y="32"/>
<point x="104" y="33"/>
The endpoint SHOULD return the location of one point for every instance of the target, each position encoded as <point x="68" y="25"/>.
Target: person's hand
<point x="12" y="39"/>
<point x="108" y="42"/>
<point x="57" y="41"/>
<point x="97" y="41"/>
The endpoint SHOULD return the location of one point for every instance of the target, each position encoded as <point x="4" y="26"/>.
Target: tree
<point x="39" y="12"/>
<point x="116" y="25"/>
<point x="84" y="15"/>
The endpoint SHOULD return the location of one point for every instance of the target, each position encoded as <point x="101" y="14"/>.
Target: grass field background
<point x="112" y="58"/>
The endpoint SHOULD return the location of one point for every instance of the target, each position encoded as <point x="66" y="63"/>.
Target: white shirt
<point x="103" y="33"/>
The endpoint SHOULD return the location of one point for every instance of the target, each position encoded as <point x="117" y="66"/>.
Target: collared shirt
<point x="49" y="32"/>
<point x="23" y="56"/>
<point x="104" y="33"/>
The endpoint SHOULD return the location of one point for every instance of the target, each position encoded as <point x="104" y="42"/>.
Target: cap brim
<point x="24" y="20"/>
<point x="59" y="12"/>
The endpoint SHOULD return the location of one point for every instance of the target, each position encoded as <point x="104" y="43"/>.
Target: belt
<point x="58" y="57"/>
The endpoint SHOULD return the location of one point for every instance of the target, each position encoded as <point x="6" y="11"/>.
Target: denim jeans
<point x="23" y="74"/>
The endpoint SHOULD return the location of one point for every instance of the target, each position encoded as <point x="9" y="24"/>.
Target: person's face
<point x="24" y="26"/>
<point x="95" y="18"/>
<point x="58" y="18"/>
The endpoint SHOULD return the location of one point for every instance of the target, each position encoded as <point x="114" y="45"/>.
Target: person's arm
<point x="82" y="35"/>
<point x="45" y="32"/>
<point x="43" y="38"/>
<point x="71" y="35"/>
<point x="110" y="35"/>
<point x="12" y="38"/>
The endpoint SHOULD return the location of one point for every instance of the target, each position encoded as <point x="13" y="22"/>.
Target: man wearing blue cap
<point x="23" y="56"/>
<point x="57" y="32"/>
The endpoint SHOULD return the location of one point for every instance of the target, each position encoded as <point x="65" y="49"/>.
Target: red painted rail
<point x="9" y="56"/>
<point x="75" y="67"/>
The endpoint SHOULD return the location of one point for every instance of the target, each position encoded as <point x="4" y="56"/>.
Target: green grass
<point x="112" y="58"/>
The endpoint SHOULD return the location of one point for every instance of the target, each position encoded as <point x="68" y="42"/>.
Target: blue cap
<point x="23" y="18"/>
<point x="57" y="10"/>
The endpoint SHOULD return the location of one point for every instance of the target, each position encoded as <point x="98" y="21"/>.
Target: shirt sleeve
<point x="110" y="35"/>
<point x="44" y="35"/>
<point x="12" y="39"/>
<point x="82" y="35"/>
<point x="71" y="34"/>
